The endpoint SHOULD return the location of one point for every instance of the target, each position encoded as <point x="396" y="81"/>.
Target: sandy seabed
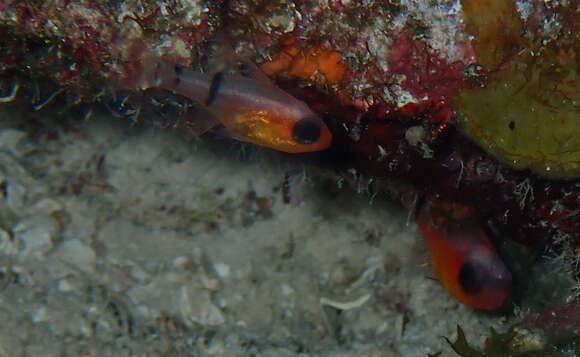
<point x="124" y="241"/>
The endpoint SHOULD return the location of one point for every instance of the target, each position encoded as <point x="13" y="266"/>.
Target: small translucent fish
<point x="250" y="109"/>
<point x="463" y="256"/>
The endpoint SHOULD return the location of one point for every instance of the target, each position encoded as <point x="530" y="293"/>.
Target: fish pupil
<point x="306" y="131"/>
<point x="471" y="277"/>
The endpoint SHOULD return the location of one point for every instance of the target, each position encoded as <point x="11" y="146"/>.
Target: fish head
<point x="466" y="262"/>
<point x="280" y="130"/>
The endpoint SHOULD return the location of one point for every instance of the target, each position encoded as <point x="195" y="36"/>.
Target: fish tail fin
<point x="179" y="113"/>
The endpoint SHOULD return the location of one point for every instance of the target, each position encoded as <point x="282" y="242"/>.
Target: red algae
<point x="358" y="51"/>
<point x="524" y="208"/>
<point x="425" y="75"/>
<point x="99" y="37"/>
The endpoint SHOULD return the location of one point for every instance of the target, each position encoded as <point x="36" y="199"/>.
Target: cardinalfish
<point x="464" y="257"/>
<point x="250" y="109"/>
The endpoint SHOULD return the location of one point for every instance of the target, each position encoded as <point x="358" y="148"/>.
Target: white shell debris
<point x="20" y="187"/>
<point x="65" y="286"/>
<point x="222" y="270"/>
<point x="416" y="136"/>
<point x="15" y="195"/>
<point x="35" y="236"/>
<point x="196" y="306"/>
<point x="41" y="315"/>
<point x="77" y="254"/>
<point x="345" y="305"/>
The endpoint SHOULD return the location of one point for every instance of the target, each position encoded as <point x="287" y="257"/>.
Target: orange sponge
<point x="304" y="63"/>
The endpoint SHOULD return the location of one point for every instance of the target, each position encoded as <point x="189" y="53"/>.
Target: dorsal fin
<point x="223" y="58"/>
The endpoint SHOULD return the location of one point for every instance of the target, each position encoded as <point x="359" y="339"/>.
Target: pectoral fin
<point x="200" y="120"/>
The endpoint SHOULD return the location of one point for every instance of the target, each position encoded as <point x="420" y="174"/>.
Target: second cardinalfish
<point x="250" y="109"/>
<point x="463" y="256"/>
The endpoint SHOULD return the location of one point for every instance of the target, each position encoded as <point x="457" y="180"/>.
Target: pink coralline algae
<point x="391" y="60"/>
<point x="84" y="42"/>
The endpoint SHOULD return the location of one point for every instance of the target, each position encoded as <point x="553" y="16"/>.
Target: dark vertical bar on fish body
<point x="190" y="84"/>
<point x="178" y="73"/>
<point x="214" y="88"/>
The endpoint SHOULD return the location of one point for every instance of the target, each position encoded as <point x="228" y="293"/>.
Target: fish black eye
<point x="472" y="277"/>
<point x="306" y="131"/>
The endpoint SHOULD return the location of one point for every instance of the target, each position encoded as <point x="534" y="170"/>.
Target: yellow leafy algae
<point x="527" y="112"/>
<point x="496" y="29"/>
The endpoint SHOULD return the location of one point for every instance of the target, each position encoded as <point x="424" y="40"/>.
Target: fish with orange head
<point x="463" y="256"/>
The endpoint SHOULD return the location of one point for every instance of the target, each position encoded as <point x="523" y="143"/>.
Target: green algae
<point x="526" y="112"/>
